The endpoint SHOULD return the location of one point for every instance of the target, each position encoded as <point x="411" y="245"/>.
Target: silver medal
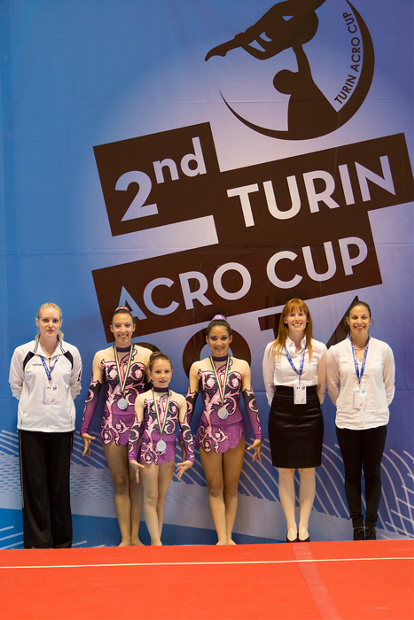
<point x="161" y="445"/>
<point x="122" y="404"/>
<point x="222" y="413"/>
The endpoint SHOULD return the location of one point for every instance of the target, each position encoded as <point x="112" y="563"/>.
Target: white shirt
<point x="377" y="381"/>
<point x="28" y="383"/>
<point x="278" y="371"/>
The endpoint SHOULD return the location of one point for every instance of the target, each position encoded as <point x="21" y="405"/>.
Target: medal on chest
<point x="161" y="419"/>
<point x="122" y="403"/>
<point x="222" y="412"/>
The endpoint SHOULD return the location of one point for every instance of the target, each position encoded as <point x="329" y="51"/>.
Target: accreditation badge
<point x="359" y="399"/>
<point x="50" y="394"/>
<point x="299" y="394"/>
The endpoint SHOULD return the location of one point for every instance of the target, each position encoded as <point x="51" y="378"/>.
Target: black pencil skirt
<point x="295" y="431"/>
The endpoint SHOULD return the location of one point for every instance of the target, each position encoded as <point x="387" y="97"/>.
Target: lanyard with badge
<point x="359" y="396"/>
<point x="299" y="390"/>
<point x="50" y="394"/>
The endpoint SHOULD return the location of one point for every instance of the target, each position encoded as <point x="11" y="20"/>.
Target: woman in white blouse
<point x="360" y="377"/>
<point x="294" y="376"/>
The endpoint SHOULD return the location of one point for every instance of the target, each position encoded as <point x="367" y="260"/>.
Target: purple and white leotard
<point x="213" y="432"/>
<point x="149" y="431"/>
<point x="116" y="423"/>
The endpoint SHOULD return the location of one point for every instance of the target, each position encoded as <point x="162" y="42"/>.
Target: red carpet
<point x="336" y="580"/>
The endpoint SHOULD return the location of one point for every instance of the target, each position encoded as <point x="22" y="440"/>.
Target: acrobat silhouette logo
<point x="291" y="25"/>
<point x="244" y="239"/>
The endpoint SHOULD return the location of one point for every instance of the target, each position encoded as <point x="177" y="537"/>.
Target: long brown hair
<point x="283" y="331"/>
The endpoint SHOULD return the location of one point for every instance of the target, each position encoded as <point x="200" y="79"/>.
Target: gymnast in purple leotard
<point x="220" y="379"/>
<point x="157" y="412"/>
<point x="123" y="370"/>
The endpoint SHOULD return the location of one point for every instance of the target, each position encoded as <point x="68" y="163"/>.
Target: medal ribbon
<point x="299" y="373"/>
<point x="123" y="379"/>
<point x="47" y="369"/>
<point x="157" y="411"/>
<point x="358" y="374"/>
<point x="221" y="388"/>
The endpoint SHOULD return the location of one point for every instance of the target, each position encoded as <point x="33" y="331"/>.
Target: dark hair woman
<point x="360" y="378"/>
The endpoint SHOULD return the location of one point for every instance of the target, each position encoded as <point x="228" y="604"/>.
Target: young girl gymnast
<point x="157" y="412"/>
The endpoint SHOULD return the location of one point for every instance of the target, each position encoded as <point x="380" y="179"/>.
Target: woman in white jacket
<point x="45" y="377"/>
<point x="360" y="378"/>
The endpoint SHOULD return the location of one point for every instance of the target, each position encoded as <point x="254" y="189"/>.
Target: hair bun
<point x="219" y="317"/>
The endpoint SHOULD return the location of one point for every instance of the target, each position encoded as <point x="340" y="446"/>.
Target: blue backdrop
<point x="149" y="157"/>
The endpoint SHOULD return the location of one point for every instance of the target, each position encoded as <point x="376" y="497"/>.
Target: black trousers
<point x="45" y="481"/>
<point x="362" y="450"/>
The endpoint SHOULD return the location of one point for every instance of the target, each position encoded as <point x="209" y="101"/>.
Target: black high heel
<point x="292" y="541"/>
<point x="304" y="539"/>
